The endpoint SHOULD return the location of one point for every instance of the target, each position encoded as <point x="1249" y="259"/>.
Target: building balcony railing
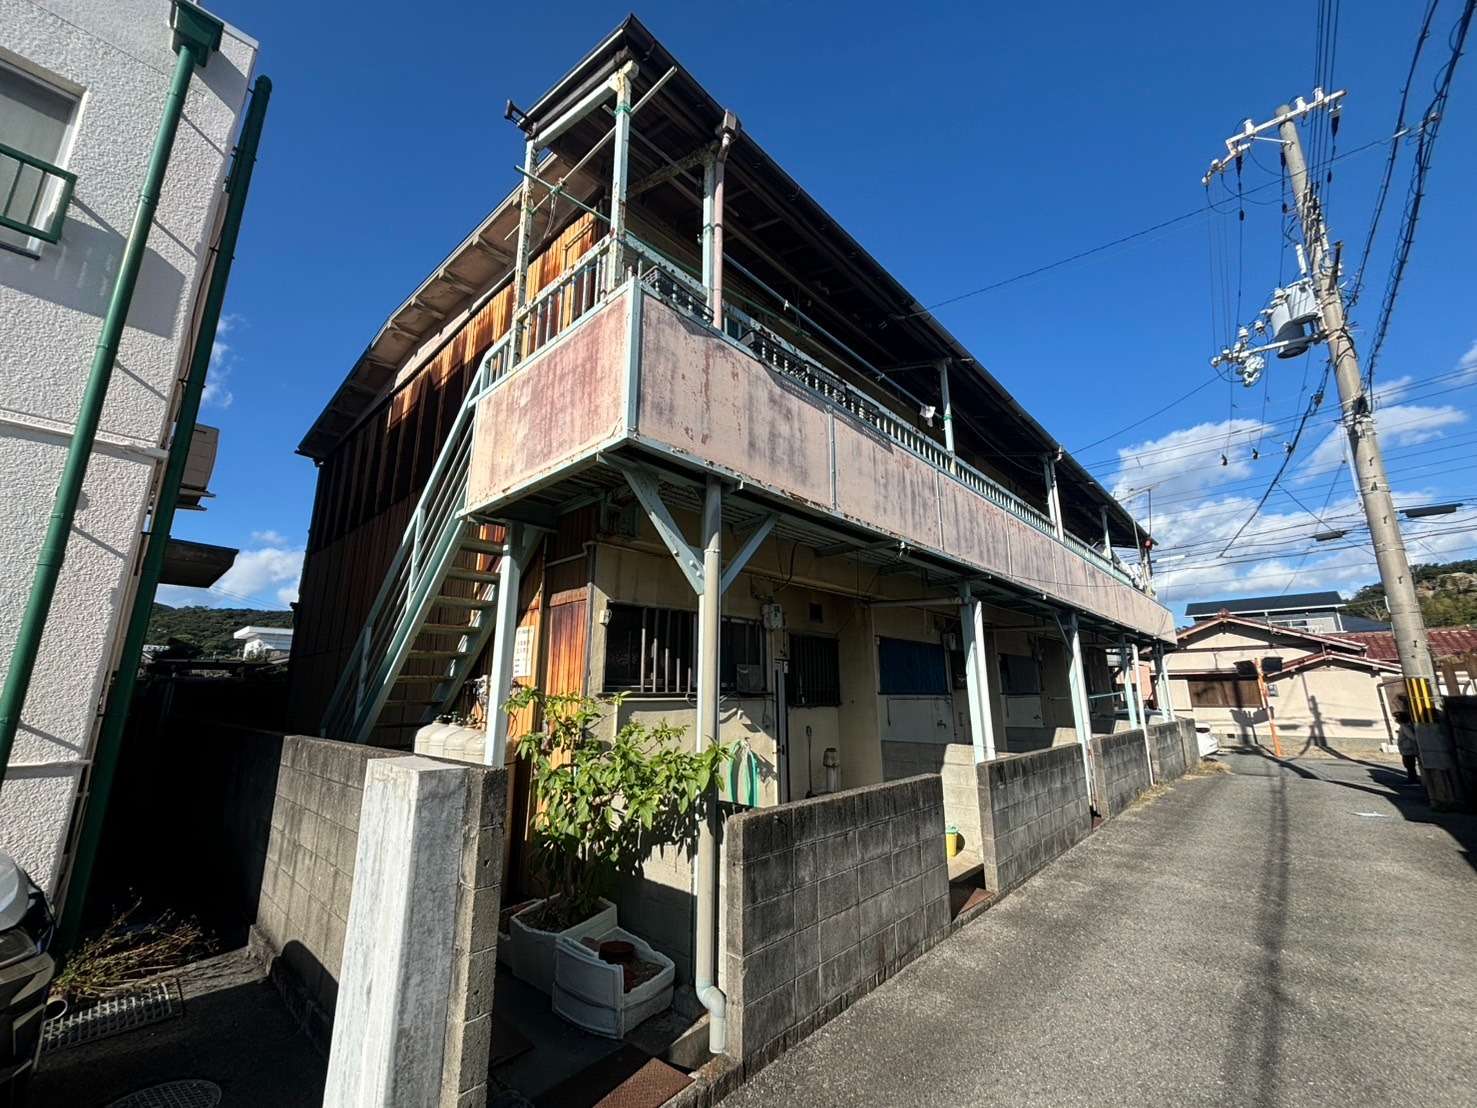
<point x="37" y="195"/>
<point x="665" y="279"/>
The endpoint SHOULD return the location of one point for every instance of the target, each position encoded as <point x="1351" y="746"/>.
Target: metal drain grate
<point x="113" y="1016"/>
<point x="173" y="1094"/>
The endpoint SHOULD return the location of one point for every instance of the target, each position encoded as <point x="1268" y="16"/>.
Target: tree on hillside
<point x="210" y="629"/>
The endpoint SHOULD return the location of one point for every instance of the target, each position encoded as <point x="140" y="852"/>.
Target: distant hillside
<point x="210" y="629"/>
<point x="1447" y="592"/>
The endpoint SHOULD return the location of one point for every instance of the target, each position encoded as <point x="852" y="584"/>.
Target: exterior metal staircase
<point x="434" y="612"/>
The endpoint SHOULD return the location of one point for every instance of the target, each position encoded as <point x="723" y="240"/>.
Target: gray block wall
<point x="1033" y="807"/>
<point x="1461" y="719"/>
<point x="1167" y="748"/>
<point x="1120" y="771"/>
<point x="825" y="899"/>
<point x="307" y="878"/>
<point x="954" y="763"/>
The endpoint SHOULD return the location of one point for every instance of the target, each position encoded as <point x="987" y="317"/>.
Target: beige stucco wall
<point x="1333" y="704"/>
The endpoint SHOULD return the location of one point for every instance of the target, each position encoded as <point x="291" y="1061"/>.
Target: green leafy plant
<point x="604" y="806"/>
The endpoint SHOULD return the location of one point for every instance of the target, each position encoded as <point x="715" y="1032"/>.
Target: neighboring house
<point x="82" y="89"/>
<point x="1323" y="613"/>
<point x="260" y="644"/>
<point x="856" y="464"/>
<point x="1453" y="649"/>
<point x="1321" y="690"/>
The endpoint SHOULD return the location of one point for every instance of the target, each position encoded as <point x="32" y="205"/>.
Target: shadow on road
<point x="1384" y="781"/>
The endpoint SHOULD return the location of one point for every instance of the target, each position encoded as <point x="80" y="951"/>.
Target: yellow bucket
<point x="953" y="841"/>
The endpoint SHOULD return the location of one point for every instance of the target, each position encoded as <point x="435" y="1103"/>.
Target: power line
<point x="1121" y="240"/>
<point x="1384" y="190"/>
<point x="1425" y="148"/>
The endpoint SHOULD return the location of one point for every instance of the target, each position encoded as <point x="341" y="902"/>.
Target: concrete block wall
<point x="307" y="880"/>
<point x="825" y="899"/>
<point x="303" y="910"/>
<point x="414" y="1018"/>
<point x="954" y="763"/>
<point x="1461" y="719"/>
<point x="1033" y="807"/>
<point x="1167" y="748"/>
<point x="1120" y="771"/>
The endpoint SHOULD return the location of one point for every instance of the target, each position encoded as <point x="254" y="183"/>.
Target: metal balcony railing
<point x="37" y="194"/>
<point x="666" y="280"/>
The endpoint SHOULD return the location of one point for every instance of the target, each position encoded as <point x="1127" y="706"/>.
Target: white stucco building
<point x="82" y="90"/>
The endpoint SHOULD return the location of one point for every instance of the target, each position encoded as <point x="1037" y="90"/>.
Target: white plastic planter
<point x="533" y="950"/>
<point x="505" y="941"/>
<point x="590" y="993"/>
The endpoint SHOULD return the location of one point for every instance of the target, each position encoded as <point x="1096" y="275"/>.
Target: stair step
<point x="414" y="703"/>
<point x="464" y="602"/>
<point x="448" y="628"/>
<point x="462" y="574"/>
<point x="482" y="546"/>
<point x="436" y="653"/>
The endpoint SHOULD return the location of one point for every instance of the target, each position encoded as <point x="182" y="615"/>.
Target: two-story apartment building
<point x="660" y="426"/>
<point x="83" y="88"/>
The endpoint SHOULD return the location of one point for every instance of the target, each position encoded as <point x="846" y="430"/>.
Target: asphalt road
<point x="1280" y="935"/>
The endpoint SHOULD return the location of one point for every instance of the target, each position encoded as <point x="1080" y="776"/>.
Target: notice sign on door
<point x="523" y="652"/>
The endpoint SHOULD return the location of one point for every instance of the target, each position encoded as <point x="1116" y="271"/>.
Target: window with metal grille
<point x="34" y="120"/>
<point x="908" y="668"/>
<point x="815" y="672"/>
<point x="654" y="650"/>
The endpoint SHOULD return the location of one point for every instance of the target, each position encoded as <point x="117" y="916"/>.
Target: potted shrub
<point x="601" y="808"/>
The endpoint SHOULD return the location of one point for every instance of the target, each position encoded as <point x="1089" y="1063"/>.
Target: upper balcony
<point x="635" y="367"/>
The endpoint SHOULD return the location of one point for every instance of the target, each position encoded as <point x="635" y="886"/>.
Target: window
<point x="815" y="672"/>
<point x="1224" y="692"/>
<point x="1020" y="675"/>
<point x="741" y="643"/>
<point x="654" y="650"/>
<point x="34" y="118"/>
<point x="908" y="668"/>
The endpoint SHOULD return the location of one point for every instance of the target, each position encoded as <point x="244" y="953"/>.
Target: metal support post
<point x="1107" y="534"/>
<point x="976" y="672"/>
<point x="1077" y="681"/>
<point x="1161" y="677"/>
<point x="710" y="604"/>
<point x="520" y="254"/>
<point x="1135" y="717"/>
<point x="1053" y="494"/>
<point x="620" y="174"/>
<point x="1138" y="686"/>
<point x="504" y="635"/>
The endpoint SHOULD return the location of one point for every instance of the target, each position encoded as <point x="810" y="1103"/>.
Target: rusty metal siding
<point x="706" y="399"/>
<point x="554" y="409"/>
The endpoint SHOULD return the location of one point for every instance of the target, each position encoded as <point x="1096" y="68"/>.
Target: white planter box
<point x="591" y="993"/>
<point x="505" y="940"/>
<point x="533" y="950"/>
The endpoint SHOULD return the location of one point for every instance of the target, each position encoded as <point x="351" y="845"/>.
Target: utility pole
<point x="1358" y="420"/>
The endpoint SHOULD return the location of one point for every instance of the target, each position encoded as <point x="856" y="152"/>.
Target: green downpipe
<point x="115" y="719"/>
<point x="192" y="51"/>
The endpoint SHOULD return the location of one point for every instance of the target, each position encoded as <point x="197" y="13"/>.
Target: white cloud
<point x="1398" y="424"/>
<point x="264" y="577"/>
<point x="222" y="360"/>
<point x="269" y="538"/>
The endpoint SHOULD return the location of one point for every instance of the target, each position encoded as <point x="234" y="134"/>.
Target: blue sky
<point x="962" y="145"/>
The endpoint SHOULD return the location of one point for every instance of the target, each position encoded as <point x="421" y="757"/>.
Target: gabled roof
<point x="1312" y="661"/>
<point x="1276" y="631"/>
<point x="1445" y="642"/>
<point x="1286" y="602"/>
